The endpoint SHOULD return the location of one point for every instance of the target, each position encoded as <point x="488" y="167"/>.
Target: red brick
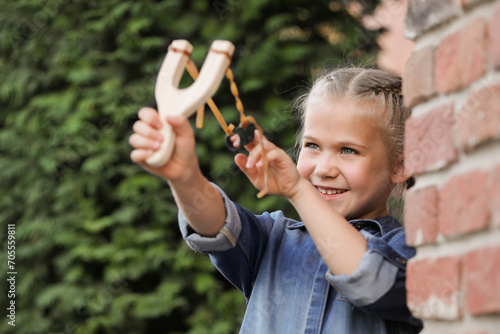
<point x="482" y="280"/>
<point x="467" y="4"/>
<point x="418" y="83"/>
<point x="479" y="120"/>
<point x="461" y="57"/>
<point x="422" y="15"/>
<point x="429" y="141"/>
<point x="494" y="196"/>
<point x="433" y="287"/>
<point x="421" y="215"/>
<point x="463" y="204"/>
<point x="494" y="28"/>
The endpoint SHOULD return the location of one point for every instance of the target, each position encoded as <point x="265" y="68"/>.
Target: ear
<point x="399" y="175"/>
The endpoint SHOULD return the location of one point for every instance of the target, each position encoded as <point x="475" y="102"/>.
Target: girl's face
<point x="344" y="156"/>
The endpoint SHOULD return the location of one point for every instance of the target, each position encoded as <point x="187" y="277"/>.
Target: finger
<point x="235" y="140"/>
<point x="144" y="129"/>
<point x="254" y="156"/>
<point x="241" y="161"/>
<point x="139" y="156"/>
<point x="257" y="138"/>
<point x="150" y="116"/>
<point x="273" y="155"/>
<point x="140" y="142"/>
<point x="180" y="125"/>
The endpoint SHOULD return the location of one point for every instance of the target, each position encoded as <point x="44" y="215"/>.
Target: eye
<point x="312" y="146"/>
<point x="348" y="150"/>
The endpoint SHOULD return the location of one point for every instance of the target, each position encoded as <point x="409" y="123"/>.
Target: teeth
<point x="330" y="192"/>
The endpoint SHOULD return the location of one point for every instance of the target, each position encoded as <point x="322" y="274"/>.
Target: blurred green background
<point x="97" y="244"/>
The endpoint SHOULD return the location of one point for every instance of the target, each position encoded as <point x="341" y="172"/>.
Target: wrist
<point x="298" y="190"/>
<point x="189" y="177"/>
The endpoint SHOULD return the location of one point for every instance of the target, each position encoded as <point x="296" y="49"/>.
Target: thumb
<point x="184" y="145"/>
<point x="180" y="125"/>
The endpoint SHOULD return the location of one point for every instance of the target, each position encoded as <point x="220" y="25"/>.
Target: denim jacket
<point x="288" y="287"/>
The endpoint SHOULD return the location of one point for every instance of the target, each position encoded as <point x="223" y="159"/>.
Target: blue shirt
<point x="288" y="287"/>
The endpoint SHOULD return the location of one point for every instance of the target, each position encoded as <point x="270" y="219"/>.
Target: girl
<point x="340" y="270"/>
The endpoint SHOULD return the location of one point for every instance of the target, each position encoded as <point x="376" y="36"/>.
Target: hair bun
<point x="410" y="182"/>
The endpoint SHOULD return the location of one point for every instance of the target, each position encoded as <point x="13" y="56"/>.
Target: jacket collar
<point x="383" y="224"/>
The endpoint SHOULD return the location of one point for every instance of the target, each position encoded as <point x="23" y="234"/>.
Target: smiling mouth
<point x="326" y="191"/>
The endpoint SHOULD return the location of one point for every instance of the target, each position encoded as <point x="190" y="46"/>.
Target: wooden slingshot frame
<point x="174" y="101"/>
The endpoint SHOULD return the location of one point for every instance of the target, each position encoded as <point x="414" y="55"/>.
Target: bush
<point x="97" y="244"/>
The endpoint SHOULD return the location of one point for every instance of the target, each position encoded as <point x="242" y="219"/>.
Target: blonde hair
<point x="368" y="86"/>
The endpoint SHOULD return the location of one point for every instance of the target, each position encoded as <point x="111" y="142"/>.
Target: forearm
<point x="341" y="246"/>
<point x="200" y="203"/>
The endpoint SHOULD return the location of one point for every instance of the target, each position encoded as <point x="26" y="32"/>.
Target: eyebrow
<point x="340" y="143"/>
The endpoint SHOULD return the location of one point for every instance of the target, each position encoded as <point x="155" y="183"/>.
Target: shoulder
<point x="272" y="220"/>
<point x="386" y="234"/>
<point x="281" y="221"/>
<point x="386" y="226"/>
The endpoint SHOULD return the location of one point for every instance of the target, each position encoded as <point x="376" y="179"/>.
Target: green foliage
<point x="97" y="244"/>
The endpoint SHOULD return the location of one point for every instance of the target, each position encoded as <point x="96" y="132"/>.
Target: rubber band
<point x="228" y="129"/>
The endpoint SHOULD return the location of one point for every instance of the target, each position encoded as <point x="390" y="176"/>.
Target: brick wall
<point x="452" y="214"/>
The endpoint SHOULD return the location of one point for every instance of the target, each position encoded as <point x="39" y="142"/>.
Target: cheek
<point x="356" y="176"/>
<point x="373" y="177"/>
<point x="304" y="165"/>
<point x="363" y="177"/>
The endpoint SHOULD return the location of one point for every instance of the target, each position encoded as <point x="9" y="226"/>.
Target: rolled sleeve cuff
<point x="224" y="240"/>
<point x="372" y="279"/>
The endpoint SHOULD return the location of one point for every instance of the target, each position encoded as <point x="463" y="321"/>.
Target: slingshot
<point x="174" y="101"/>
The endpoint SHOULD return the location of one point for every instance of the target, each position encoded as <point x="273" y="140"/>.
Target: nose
<point x="326" y="167"/>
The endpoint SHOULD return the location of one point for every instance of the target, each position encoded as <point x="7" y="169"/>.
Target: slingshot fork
<point x="174" y="101"/>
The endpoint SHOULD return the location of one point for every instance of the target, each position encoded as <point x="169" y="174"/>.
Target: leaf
<point x="203" y="283"/>
<point x="98" y="225"/>
<point x="277" y="22"/>
<point x="55" y="292"/>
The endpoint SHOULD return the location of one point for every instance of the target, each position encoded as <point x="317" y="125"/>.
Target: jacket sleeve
<point x="378" y="286"/>
<point x="237" y="249"/>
